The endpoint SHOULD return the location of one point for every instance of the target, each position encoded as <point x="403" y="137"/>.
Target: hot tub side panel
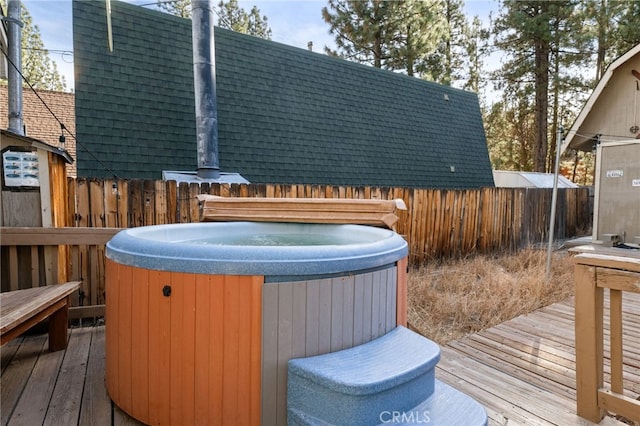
<point x="306" y="318"/>
<point x="169" y="359"/>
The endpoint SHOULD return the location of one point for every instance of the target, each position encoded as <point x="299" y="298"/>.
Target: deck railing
<point x="33" y="257"/>
<point x="594" y="273"/>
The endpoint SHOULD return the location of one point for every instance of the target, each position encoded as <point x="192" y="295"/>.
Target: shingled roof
<point x="285" y="115"/>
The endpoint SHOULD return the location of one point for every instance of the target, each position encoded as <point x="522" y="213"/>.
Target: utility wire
<point x="62" y="126"/>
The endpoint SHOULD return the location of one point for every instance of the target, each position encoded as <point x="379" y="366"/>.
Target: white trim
<point x="621" y="143"/>
<point x="596" y="196"/>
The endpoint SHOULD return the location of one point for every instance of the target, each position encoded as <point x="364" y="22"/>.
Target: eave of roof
<point x="575" y="128"/>
<point x="38" y="144"/>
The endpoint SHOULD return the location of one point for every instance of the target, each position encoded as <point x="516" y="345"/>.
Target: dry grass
<point x="455" y="298"/>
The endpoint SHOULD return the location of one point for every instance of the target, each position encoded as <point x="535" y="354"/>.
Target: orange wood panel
<point x="192" y="357"/>
<point x="402" y="293"/>
<point x="111" y="332"/>
<point x="231" y="349"/>
<point x="159" y="356"/>
<point x="140" y="338"/>
<point x="203" y="343"/>
<point x="244" y="352"/>
<point x="176" y="362"/>
<point x="216" y="368"/>
<point x="188" y="286"/>
<point x="256" y="348"/>
<point x="125" y="344"/>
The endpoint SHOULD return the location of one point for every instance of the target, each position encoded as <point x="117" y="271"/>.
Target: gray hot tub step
<point x="445" y="407"/>
<point x="392" y="376"/>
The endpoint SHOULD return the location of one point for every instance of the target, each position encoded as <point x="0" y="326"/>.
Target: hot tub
<point x="202" y="318"/>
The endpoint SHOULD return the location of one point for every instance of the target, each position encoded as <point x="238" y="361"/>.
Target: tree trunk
<point x="377" y="51"/>
<point x="555" y="143"/>
<point x="602" y="19"/>
<point x="541" y="105"/>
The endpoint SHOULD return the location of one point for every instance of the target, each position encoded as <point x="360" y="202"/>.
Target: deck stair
<point x="389" y="380"/>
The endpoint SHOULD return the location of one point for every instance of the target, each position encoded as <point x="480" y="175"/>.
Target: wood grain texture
<point x="188" y="355"/>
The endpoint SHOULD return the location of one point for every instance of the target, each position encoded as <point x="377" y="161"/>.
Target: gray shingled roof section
<point x="286" y="115"/>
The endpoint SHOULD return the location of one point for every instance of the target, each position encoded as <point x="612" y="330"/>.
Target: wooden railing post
<point x="589" y="344"/>
<point x="597" y="269"/>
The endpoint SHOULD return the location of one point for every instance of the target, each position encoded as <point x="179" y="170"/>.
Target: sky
<point x="292" y="22"/>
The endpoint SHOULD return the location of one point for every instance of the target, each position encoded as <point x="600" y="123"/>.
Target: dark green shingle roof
<point x="285" y="115"/>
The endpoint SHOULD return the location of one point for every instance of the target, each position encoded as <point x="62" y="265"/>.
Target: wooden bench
<point x="22" y="309"/>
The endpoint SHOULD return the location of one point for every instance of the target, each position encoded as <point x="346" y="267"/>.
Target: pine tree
<point x="613" y="27"/>
<point x="627" y="32"/>
<point x="527" y="31"/>
<point x="181" y="8"/>
<point x="476" y="48"/>
<point x="448" y="60"/>
<point x="417" y="26"/>
<point x="396" y="35"/>
<point x="230" y="16"/>
<point x="233" y="17"/>
<point x="37" y="67"/>
<point x="362" y="30"/>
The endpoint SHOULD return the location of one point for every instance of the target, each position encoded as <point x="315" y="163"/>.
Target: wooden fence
<point x="437" y="224"/>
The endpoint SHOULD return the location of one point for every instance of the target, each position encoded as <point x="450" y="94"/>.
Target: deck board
<point x="16" y="375"/>
<point x="96" y="406"/>
<point x="522" y="371"/>
<point x="65" y="403"/>
<point x="32" y="407"/>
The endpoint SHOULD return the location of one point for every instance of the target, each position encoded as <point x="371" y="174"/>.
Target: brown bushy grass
<point x="451" y="299"/>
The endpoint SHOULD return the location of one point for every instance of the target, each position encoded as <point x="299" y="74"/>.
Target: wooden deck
<point x="522" y="371"/>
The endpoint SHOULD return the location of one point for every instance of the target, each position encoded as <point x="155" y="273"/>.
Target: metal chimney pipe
<point x="14" y="89"/>
<point x="204" y="85"/>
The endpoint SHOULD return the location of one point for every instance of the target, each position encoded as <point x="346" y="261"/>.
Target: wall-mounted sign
<point x="20" y="168"/>
<point x="615" y="173"/>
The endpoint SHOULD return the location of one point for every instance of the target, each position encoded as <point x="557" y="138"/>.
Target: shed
<point x="518" y="179"/>
<point x="34" y="182"/>
<point x="609" y="125"/>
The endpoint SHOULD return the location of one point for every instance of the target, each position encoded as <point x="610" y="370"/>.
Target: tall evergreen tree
<point x="628" y="28"/>
<point x="527" y="33"/>
<point x="446" y="63"/>
<point x="613" y="27"/>
<point x="181" y="8"/>
<point x="416" y="27"/>
<point x="362" y="30"/>
<point x="476" y="49"/>
<point x="37" y="67"/>
<point x="233" y="17"/>
<point x="396" y="35"/>
<point x="230" y="16"/>
<point x="509" y="129"/>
